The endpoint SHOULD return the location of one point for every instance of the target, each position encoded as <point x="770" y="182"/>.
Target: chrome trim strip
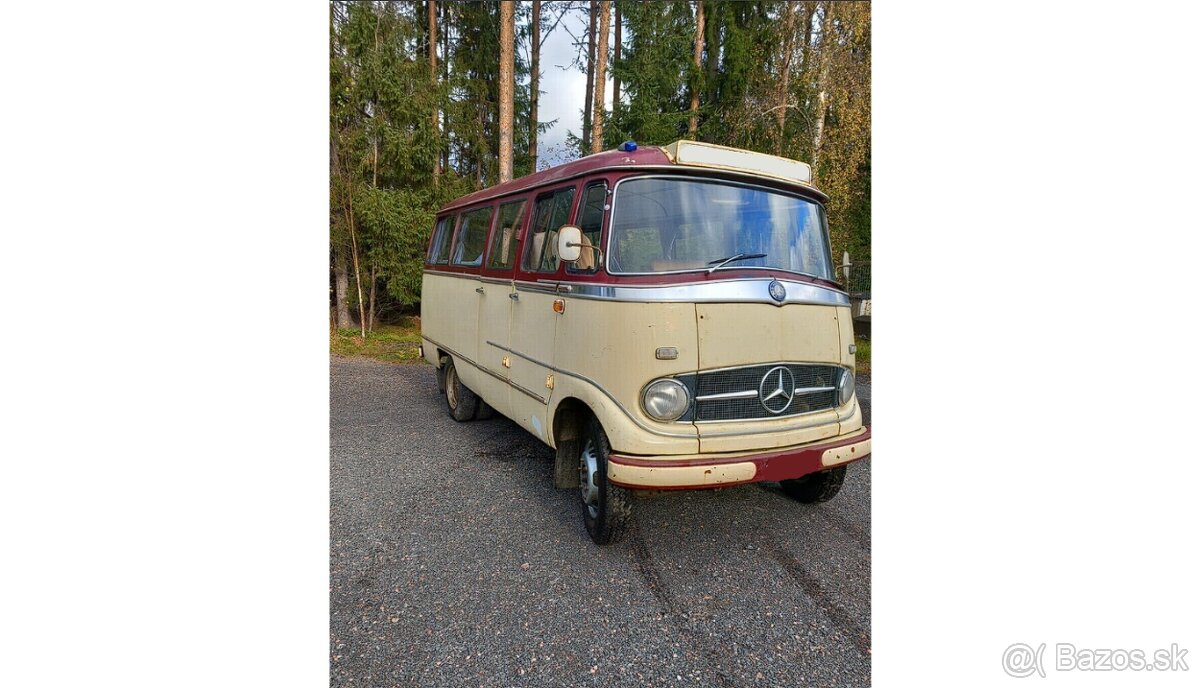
<point x="477" y="278"/>
<point x="741" y="290"/>
<point x="518" y="353"/>
<point x="841" y="416"/>
<point x="512" y="384"/>
<point x="771" y="364"/>
<point x="748" y="394"/>
<point x="737" y="290"/>
<point x="535" y="287"/>
<point x="752" y="393"/>
<point x="756" y="420"/>
<point x="519" y="388"/>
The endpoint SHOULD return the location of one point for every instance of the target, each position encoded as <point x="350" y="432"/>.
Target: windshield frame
<point x="612" y="214"/>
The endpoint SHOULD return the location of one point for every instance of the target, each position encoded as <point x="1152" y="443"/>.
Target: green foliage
<point x="862" y="355"/>
<point x="654" y="69"/>
<point x="398" y="343"/>
<point x="391" y="122"/>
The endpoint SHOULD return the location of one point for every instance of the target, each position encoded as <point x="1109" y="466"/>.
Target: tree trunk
<point x="535" y="49"/>
<point x="507" y="59"/>
<point x="341" y="287"/>
<point x="445" y="79"/>
<point x="697" y="54"/>
<point x="591" y="78"/>
<point x="340" y="272"/>
<point x="810" y="9"/>
<point x="371" y="301"/>
<point x="713" y="60"/>
<point x="362" y="320"/>
<point x="616" y="57"/>
<point x="433" y="83"/>
<point x="824" y="56"/>
<point x="601" y="66"/>
<point x="785" y="70"/>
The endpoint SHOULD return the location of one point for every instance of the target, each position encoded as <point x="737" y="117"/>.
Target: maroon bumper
<point x="774" y="465"/>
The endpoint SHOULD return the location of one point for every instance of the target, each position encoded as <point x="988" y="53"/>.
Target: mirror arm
<point x="597" y="249"/>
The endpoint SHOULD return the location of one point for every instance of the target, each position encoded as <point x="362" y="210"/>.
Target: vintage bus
<point x="662" y="317"/>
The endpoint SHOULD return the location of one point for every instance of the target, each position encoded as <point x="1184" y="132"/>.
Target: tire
<point x="441" y="374"/>
<point x="484" y="411"/>
<point x="461" y="402"/>
<point x="607" y="508"/>
<point x="815" y="487"/>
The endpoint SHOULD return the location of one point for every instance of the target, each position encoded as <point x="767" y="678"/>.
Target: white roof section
<point x="700" y="154"/>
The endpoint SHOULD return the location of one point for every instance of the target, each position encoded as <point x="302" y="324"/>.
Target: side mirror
<point x="570" y="242"/>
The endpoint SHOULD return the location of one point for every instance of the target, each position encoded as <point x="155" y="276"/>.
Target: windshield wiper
<point x="722" y="262"/>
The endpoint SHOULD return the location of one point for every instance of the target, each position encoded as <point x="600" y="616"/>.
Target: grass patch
<point x="388" y="343"/>
<point x="862" y="356"/>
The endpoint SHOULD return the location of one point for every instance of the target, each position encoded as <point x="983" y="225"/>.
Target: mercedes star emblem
<point x="777" y="291"/>
<point x="776" y="390"/>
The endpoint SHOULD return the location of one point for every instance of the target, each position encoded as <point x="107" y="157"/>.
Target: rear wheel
<point x="607" y="508"/>
<point x="815" y="487"/>
<point x="461" y="402"/>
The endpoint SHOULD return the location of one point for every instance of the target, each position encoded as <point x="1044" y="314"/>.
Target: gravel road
<point x="454" y="561"/>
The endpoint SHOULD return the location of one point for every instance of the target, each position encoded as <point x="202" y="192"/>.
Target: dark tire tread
<point x="815" y="487"/>
<point x="616" y="503"/>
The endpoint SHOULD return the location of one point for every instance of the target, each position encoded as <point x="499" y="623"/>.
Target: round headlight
<point x="846" y="387"/>
<point x="665" y="399"/>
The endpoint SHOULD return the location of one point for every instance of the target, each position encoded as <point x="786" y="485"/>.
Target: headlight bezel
<point x="846" y="391"/>
<point x="665" y="382"/>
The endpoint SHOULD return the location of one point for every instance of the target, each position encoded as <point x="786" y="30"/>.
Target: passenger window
<point x="589" y="218"/>
<point x="472" y="236"/>
<point x="439" y="248"/>
<point x="504" y="241"/>
<point x="550" y="213"/>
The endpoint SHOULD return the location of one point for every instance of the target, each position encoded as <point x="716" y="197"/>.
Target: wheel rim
<point x="589" y="474"/>
<point x="452" y="388"/>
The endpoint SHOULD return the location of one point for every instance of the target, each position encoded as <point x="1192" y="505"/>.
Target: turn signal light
<point x="559" y="305"/>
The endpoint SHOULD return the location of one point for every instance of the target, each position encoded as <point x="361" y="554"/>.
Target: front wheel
<point x="815" y="487"/>
<point x="607" y="508"/>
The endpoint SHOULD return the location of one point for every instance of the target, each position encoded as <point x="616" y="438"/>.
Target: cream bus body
<point x="537" y="306"/>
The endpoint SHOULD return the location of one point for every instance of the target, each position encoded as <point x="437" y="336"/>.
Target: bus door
<point x="533" y="319"/>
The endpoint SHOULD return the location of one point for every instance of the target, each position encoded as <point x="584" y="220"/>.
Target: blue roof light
<point x="629" y="146"/>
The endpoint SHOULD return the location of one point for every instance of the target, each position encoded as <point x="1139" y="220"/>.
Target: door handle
<point x="514" y="296"/>
<point x="478" y="290"/>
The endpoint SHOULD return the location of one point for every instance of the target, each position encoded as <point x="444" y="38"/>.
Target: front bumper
<point x="702" y="471"/>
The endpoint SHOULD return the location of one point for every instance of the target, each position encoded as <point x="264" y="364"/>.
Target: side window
<point x="589" y="218"/>
<point x="472" y="236"/>
<point x="504" y="241"/>
<point x="439" y="248"/>
<point x="550" y="213"/>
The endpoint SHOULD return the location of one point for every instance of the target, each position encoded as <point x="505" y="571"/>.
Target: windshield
<point x="676" y="224"/>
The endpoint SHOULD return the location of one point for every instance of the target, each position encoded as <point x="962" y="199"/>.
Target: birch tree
<point x="825" y="55"/>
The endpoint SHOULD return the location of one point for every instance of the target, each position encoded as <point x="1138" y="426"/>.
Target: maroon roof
<point x="650" y="155"/>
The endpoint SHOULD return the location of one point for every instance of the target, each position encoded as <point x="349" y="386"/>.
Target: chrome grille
<point x="734" y="394"/>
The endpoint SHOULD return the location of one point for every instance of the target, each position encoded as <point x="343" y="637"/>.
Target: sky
<point x="563" y="87"/>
